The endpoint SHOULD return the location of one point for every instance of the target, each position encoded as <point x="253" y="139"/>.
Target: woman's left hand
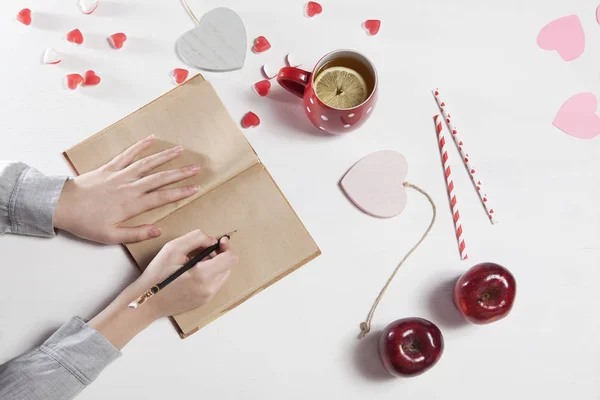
<point x="93" y="205"/>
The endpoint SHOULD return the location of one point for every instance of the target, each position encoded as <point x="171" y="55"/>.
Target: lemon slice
<point x="341" y="87"/>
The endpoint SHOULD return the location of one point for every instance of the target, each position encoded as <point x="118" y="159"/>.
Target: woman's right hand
<point x="119" y="324"/>
<point x="194" y="288"/>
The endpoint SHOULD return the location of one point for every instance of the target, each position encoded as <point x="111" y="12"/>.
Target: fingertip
<point x="149" y="139"/>
<point x="224" y="244"/>
<point x="193" y="169"/>
<point x="155" y="232"/>
<point x="177" y="150"/>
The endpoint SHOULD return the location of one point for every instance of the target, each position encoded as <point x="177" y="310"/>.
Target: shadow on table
<point x="366" y="358"/>
<point x="441" y="305"/>
<point x="51" y="22"/>
<point x="132" y="273"/>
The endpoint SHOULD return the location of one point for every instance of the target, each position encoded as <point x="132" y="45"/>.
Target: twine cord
<point x="189" y="11"/>
<point x="365" y="327"/>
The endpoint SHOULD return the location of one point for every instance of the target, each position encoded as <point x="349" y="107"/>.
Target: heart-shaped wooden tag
<point x="376" y="183"/>
<point x="218" y="43"/>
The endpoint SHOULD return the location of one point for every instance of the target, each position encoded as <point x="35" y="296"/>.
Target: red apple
<point x="410" y="346"/>
<point x="485" y="293"/>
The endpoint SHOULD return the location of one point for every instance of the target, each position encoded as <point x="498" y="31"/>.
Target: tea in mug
<point x="344" y="82"/>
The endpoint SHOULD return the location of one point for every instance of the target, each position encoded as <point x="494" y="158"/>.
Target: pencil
<point x="180" y="271"/>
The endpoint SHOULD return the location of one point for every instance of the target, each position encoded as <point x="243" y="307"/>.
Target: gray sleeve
<point x="61" y="367"/>
<point x="27" y="200"/>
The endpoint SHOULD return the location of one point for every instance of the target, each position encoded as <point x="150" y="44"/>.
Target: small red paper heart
<point x="75" y="36"/>
<point x="472" y="171"/>
<point x="454" y="131"/>
<point x="372" y="26"/>
<point x="24" y="16"/>
<point x="485" y="200"/>
<point x="479" y="182"/>
<point x="466" y="159"/>
<point x="73" y="81"/>
<point x="313" y="8"/>
<point x="443" y="105"/>
<point x="91" y="79"/>
<point x="491" y="211"/>
<point x="262" y="88"/>
<point x="478" y="188"/>
<point x="250" y="120"/>
<point x="116" y="40"/>
<point x="437" y="93"/>
<point x="460" y="143"/>
<point x="179" y="75"/>
<point x="261" y="44"/>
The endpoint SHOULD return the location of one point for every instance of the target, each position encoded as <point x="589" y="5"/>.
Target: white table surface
<point x="297" y="340"/>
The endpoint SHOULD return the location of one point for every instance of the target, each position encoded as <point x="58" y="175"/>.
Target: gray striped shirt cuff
<point x="81" y="350"/>
<point x="29" y="199"/>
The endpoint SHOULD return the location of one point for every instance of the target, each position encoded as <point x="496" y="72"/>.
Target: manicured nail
<point x="194" y="188"/>
<point x="194" y="167"/>
<point x="155" y="232"/>
<point x="177" y="149"/>
<point x="149" y="139"/>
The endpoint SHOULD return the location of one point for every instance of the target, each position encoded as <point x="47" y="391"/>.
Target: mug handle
<point x="294" y="80"/>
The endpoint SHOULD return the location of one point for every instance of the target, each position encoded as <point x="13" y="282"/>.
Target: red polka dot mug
<point x="327" y="118"/>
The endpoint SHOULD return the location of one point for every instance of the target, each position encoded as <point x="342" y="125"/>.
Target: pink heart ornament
<point x="565" y="35"/>
<point x="578" y="118"/>
<point x="376" y="183"/>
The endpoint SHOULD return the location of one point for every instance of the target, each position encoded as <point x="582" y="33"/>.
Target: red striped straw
<point x="466" y="159"/>
<point x="439" y="128"/>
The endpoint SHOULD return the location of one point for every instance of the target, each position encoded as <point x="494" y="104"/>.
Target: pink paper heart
<point x="565" y="35"/>
<point x="376" y="183"/>
<point x="577" y="117"/>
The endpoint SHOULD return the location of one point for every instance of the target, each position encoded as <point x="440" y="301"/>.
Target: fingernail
<point x="155" y="232"/>
<point x="194" y="188"/>
<point x="149" y="139"/>
<point x="177" y="149"/>
<point x="194" y="167"/>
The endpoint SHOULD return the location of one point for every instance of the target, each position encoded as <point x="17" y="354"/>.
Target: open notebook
<point x="236" y="192"/>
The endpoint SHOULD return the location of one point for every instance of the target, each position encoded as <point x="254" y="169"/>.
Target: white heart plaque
<point x="376" y="183"/>
<point x="218" y="43"/>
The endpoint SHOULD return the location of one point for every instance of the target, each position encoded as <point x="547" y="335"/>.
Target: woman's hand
<point x="93" y="205"/>
<point x="194" y="288"/>
<point x="119" y="324"/>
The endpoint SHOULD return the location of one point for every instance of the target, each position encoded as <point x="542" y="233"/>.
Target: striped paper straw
<point x="450" y="187"/>
<point x="466" y="159"/>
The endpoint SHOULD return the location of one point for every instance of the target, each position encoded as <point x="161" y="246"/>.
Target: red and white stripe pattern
<point x="439" y="128"/>
<point x="466" y="159"/>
